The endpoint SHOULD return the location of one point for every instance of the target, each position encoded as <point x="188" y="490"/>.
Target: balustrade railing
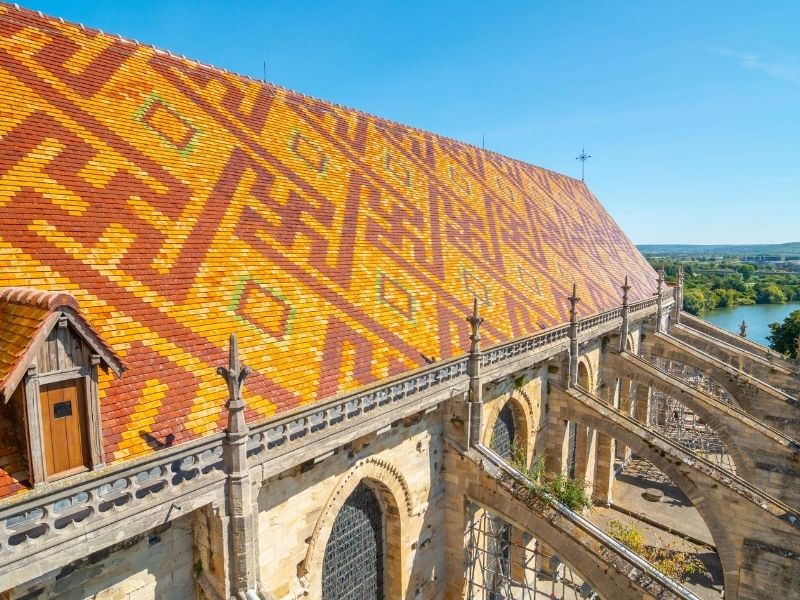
<point x="508" y="351"/>
<point x="294" y="429"/>
<point x="511" y="350"/>
<point x="50" y="514"/>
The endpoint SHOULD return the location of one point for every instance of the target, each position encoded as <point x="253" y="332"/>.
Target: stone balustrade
<point x="68" y="509"/>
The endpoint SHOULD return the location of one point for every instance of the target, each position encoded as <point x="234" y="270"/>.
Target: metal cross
<point x="583" y="157"/>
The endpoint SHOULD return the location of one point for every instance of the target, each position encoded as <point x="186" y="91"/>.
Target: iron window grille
<point x="352" y="568"/>
<point x="504" y="432"/>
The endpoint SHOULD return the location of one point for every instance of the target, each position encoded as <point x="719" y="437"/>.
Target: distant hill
<point x="787" y="250"/>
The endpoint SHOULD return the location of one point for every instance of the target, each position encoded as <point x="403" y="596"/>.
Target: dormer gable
<point x="32" y="333"/>
<point x="49" y="357"/>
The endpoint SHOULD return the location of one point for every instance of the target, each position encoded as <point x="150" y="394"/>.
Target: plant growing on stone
<point x="519" y="461"/>
<point x="673" y="563"/>
<point x="572" y="493"/>
<point x="197" y="568"/>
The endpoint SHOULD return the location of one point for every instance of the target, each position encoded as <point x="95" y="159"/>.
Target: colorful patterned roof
<point x="179" y="203"/>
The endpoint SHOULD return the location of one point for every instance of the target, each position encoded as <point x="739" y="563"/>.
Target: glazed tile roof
<point x="179" y="203"/>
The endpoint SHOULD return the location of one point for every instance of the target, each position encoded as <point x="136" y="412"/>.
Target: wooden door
<point x="64" y="427"/>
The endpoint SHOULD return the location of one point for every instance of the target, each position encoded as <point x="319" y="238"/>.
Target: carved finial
<point x="660" y="281"/>
<point x="234" y="375"/>
<point x="573" y="304"/>
<point x="743" y="330"/>
<point x="625" y="289"/>
<point x="680" y="275"/>
<point x="475" y="321"/>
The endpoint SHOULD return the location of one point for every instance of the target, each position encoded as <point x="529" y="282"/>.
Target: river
<point x="758" y="317"/>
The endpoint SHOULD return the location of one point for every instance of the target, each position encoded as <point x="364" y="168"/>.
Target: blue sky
<point x="690" y="110"/>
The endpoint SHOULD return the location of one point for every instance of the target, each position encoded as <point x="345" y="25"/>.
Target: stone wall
<point x="403" y="465"/>
<point x="157" y="564"/>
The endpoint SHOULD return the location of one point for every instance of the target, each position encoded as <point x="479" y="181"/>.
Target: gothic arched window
<point x="352" y="568"/>
<point x="504" y="432"/>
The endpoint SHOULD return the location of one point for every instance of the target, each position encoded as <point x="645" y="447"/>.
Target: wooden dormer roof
<point x="26" y="318"/>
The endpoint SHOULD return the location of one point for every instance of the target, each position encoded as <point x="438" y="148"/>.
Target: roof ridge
<point x="277" y="87"/>
<point x="43" y="299"/>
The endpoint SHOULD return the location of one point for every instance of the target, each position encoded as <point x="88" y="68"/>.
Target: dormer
<point x="49" y="360"/>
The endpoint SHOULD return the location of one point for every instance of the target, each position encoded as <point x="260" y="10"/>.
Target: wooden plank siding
<point x="63" y="351"/>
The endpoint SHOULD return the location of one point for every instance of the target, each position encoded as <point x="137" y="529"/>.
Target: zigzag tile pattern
<point x="179" y="203"/>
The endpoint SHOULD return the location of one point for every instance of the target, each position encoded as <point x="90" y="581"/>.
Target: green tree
<point x="725" y="298"/>
<point x="694" y="301"/>
<point x="784" y="335"/>
<point x="746" y="269"/>
<point x="770" y="293"/>
<point x="733" y="282"/>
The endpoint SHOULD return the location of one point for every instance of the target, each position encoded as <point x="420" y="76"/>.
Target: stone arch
<point x="633" y="343"/>
<point x="712" y="373"/>
<point x="522" y="413"/>
<point x="609" y="582"/>
<point x="662" y="346"/>
<point x="713" y="516"/>
<point x="744" y="463"/>
<point x="394" y="495"/>
<point x="586" y="375"/>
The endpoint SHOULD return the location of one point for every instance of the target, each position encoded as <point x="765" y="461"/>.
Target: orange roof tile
<point x="179" y="203"/>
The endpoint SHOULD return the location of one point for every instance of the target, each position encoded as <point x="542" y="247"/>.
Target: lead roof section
<point x="179" y="203"/>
